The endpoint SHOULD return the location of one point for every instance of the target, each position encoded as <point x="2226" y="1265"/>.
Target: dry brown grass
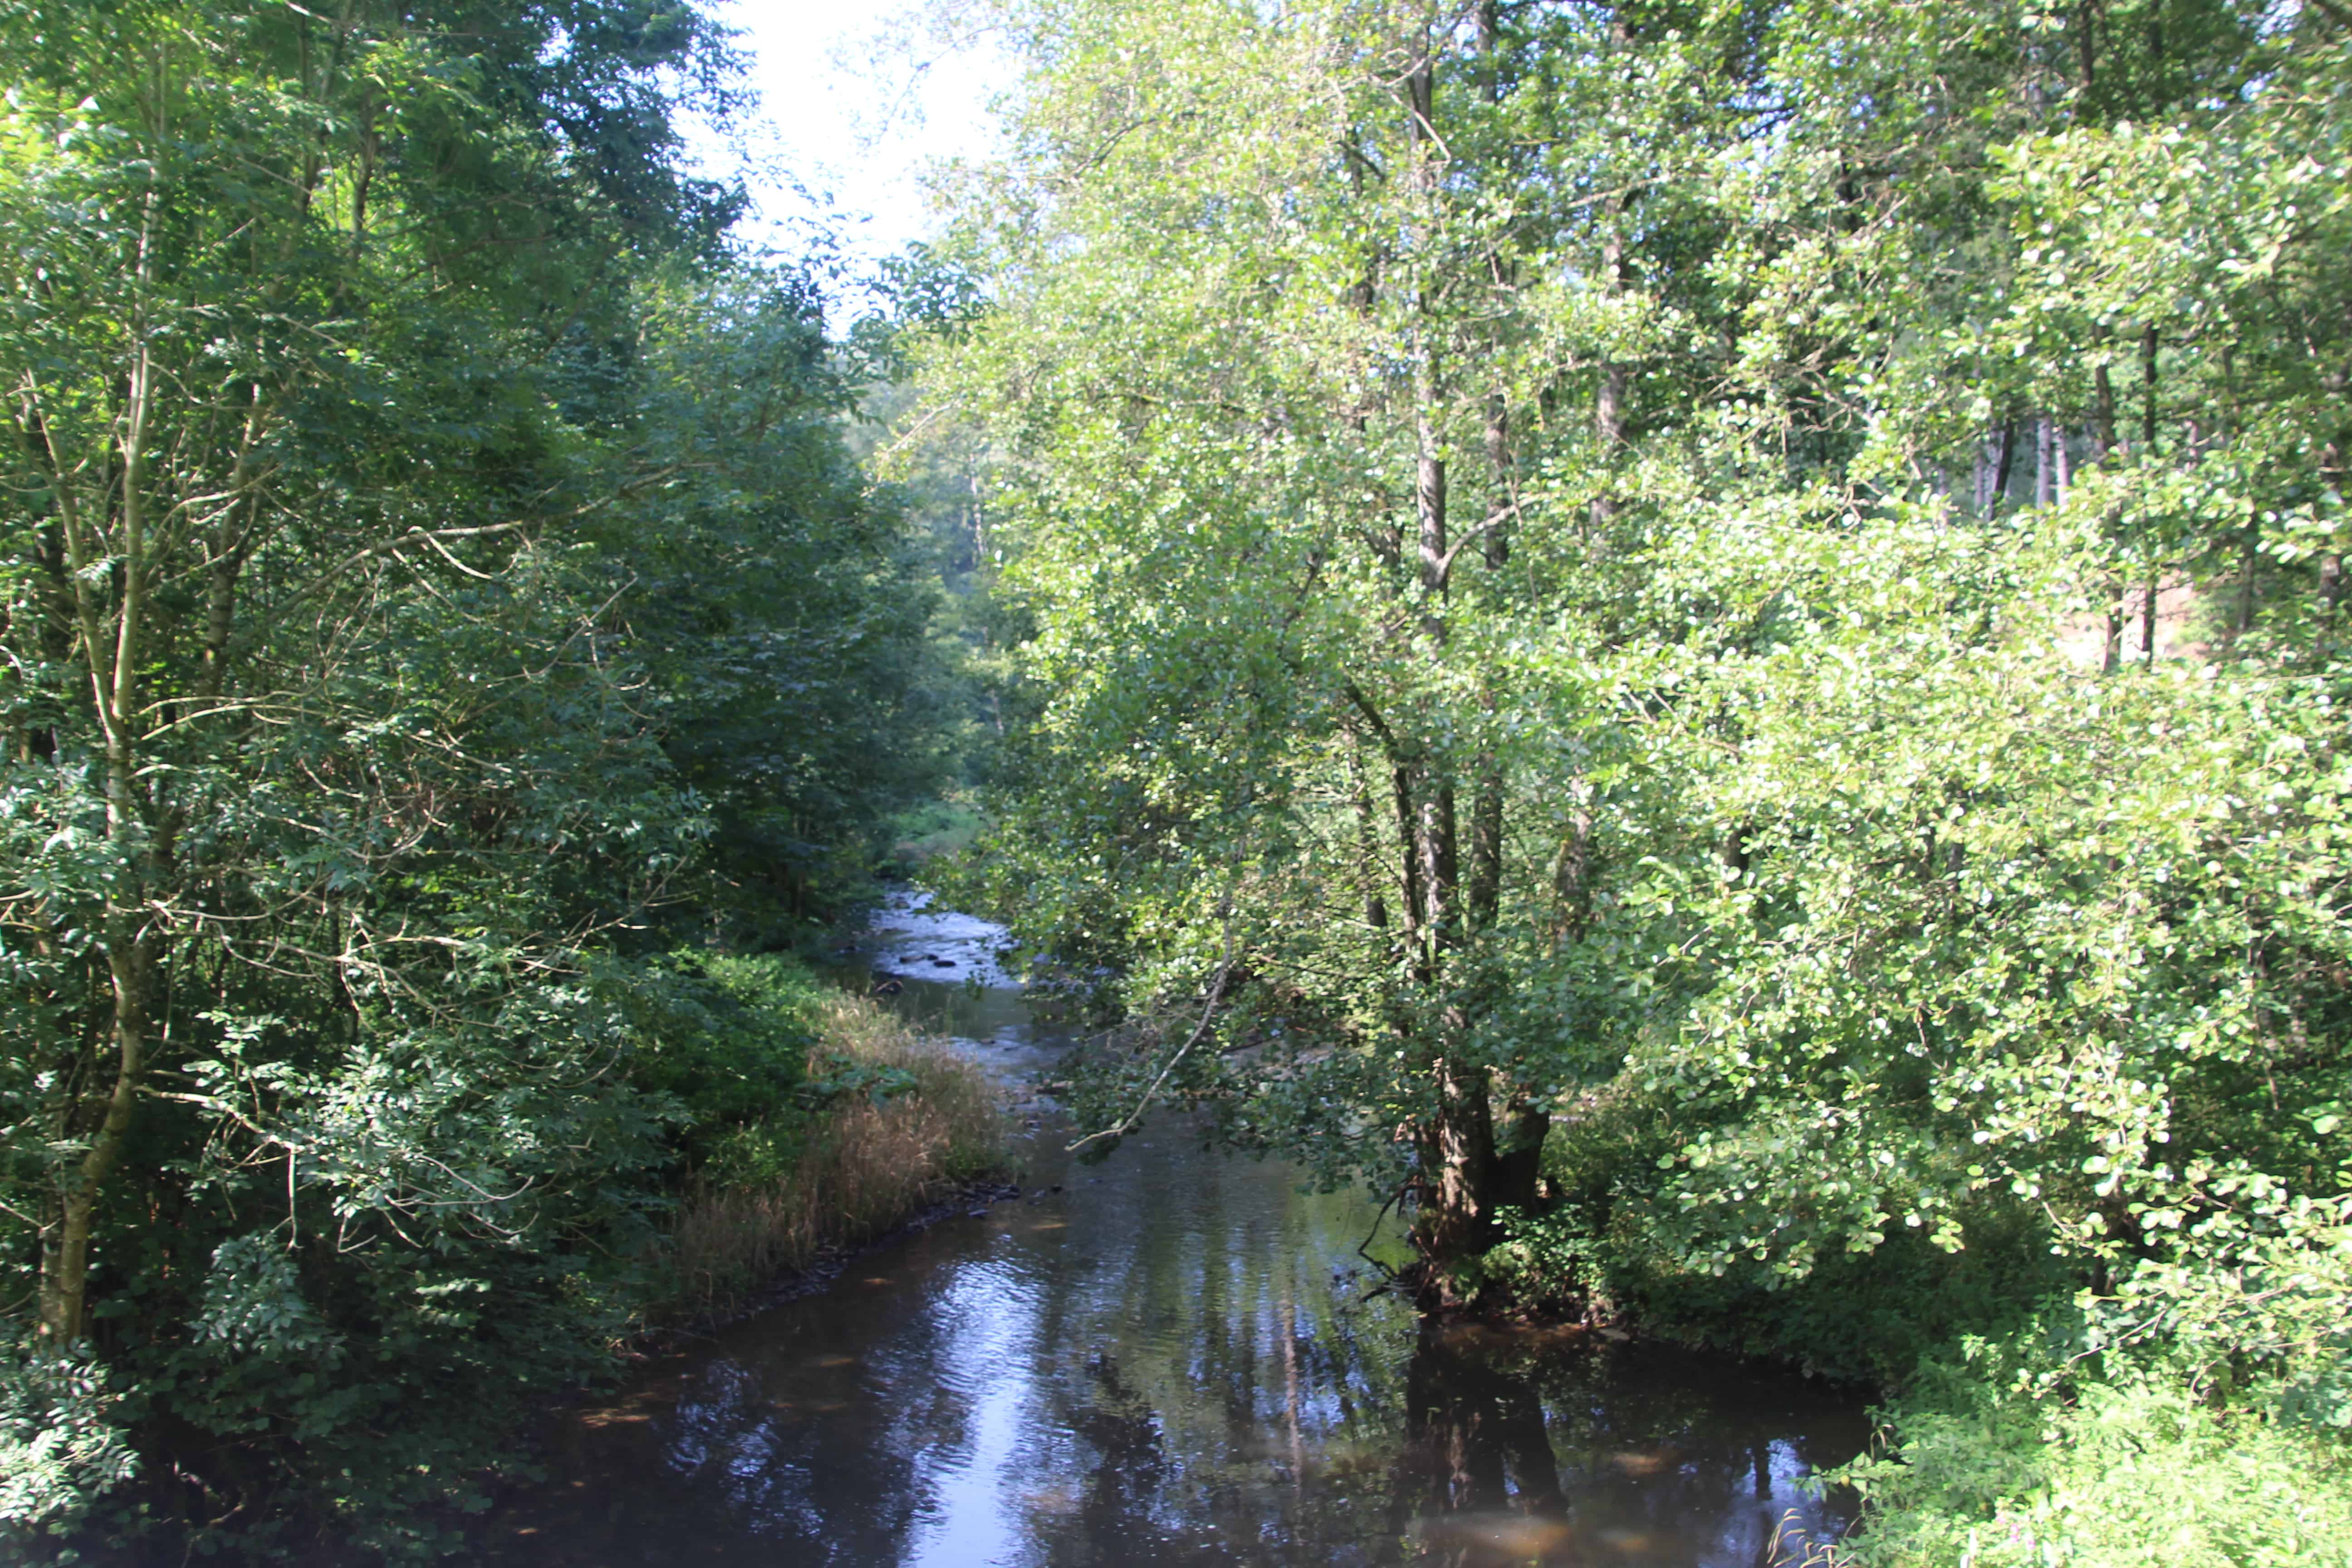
<point x="864" y="1168"/>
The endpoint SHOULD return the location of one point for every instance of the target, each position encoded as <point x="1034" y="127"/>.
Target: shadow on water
<point x="1167" y="1359"/>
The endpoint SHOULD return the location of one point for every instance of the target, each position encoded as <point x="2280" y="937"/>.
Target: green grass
<point x="2139" y="1473"/>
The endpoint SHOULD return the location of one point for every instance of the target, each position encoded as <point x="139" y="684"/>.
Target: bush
<point x="1872" y="1316"/>
<point x="728" y="1038"/>
<point x="901" y="1121"/>
<point x="60" y="1449"/>
<point x="2135" y="1473"/>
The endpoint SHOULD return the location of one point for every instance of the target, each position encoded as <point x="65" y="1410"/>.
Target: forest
<point x="1699" y="642"/>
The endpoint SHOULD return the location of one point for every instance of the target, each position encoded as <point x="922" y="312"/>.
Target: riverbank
<point x="891" y="1123"/>
<point x="1177" y="1354"/>
<point x="2024" y="1418"/>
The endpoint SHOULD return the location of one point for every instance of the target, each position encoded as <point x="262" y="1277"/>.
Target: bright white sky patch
<point x="855" y="104"/>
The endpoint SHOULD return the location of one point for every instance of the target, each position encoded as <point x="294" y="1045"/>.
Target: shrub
<point x="2134" y="1473"/>
<point x="905" y="1121"/>
<point x="59" y="1447"/>
<point x="728" y="1038"/>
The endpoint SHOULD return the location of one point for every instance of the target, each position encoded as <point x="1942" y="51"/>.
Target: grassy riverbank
<point x="2123" y="1472"/>
<point x="887" y="1123"/>
<point x="2036" y="1412"/>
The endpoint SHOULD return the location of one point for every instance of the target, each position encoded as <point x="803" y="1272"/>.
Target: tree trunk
<point x="65" y="1268"/>
<point x="1454" y="1221"/>
<point x="1482" y="898"/>
<point x="1518" y="1155"/>
<point x="2002" y="466"/>
<point x="1455" y="1142"/>
<point x="2103" y="420"/>
<point x="1368" y="837"/>
<point x="1608" y="397"/>
<point x="1439" y="864"/>
<point x="1408" y="901"/>
<point x="2249" y="560"/>
<point x="113" y="654"/>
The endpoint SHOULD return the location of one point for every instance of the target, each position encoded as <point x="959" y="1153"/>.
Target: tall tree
<point x="425" y="542"/>
<point x="1719" y="310"/>
<point x="1278" y="292"/>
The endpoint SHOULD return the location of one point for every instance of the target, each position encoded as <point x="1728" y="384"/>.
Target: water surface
<point x="1175" y="1357"/>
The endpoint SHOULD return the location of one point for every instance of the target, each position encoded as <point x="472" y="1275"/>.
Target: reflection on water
<point x="1172" y="1359"/>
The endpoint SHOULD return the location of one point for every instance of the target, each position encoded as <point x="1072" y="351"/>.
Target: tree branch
<point x="1216" y="993"/>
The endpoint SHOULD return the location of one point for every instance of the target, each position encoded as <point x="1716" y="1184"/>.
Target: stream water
<point x="1175" y="1357"/>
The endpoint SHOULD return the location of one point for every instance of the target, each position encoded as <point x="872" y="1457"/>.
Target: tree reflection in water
<point x="1477" y="1476"/>
<point x="1030" y="1392"/>
<point x="1516" y="1452"/>
<point x="1167" y="1362"/>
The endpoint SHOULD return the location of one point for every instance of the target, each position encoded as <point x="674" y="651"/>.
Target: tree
<point x="1815" y="370"/>
<point x="1274" y="293"/>
<point x="427" y="542"/>
<point x="2031" y="904"/>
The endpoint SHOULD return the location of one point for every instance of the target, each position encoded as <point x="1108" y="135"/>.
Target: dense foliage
<point x="1710" y="636"/>
<point x="436" y="587"/>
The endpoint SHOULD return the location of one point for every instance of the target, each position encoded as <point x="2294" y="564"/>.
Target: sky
<point x="852" y="110"/>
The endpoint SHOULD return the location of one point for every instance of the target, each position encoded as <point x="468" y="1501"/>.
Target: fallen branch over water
<point x="1134" y="1119"/>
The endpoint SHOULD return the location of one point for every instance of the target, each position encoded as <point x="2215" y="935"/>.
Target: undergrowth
<point x="2132" y="1471"/>
<point x="2191" y="1414"/>
<point x="892" y="1121"/>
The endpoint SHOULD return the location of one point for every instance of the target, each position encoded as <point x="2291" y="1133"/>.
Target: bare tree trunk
<point x="2248" y="558"/>
<point x="1502" y="499"/>
<point x="1435" y="830"/>
<point x="1440" y="878"/>
<point x="1456" y="1150"/>
<point x="1409" y="860"/>
<point x="1609" y="403"/>
<point x="1608" y="397"/>
<point x="1483" y="896"/>
<point x="1429" y="496"/>
<point x="2003" y="465"/>
<point x="2102" y="445"/>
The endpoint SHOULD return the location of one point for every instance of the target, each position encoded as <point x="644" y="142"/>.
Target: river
<point x="1174" y="1357"/>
